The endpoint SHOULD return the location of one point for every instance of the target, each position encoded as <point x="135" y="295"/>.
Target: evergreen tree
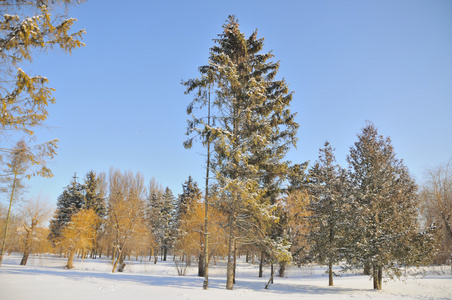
<point x="327" y="189"/>
<point x="161" y="215"/>
<point x="166" y="221"/>
<point x="94" y="198"/>
<point x="252" y="127"/>
<point x="186" y="214"/>
<point x="69" y="203"/>
<point x="384" y="208"/>
<point x="186" y="201"/>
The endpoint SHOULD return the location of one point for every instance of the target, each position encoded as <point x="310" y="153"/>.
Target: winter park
<point x="228" y="150"/>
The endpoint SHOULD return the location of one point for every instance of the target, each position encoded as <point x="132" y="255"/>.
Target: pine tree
<point x="166" y="221"/>
<point x="69" y="203"/>
<point x="186" y="201"/>
<point x="94" y="199"/>
<point x="327" y="190"/>
<point x="252" y="127"/>
<point x="384" y="208"/>
<point x="186" y="219"/>
<point x="161" y="215"/>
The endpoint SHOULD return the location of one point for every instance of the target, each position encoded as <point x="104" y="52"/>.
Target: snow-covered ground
<point x="44" y="278"/>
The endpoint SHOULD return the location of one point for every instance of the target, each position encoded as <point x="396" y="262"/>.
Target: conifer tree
<point x="186" y="219"/>
<point x="252" y="126"/>
<point x="186" y="201"/>
<point x="25" y="97"/>
<point x="384" y="208"/>
<point x="94" y="199"/>
<point x="161" y="215"/>
<point x="167" y="229"/>
<point x="327" y="190"/>
<point x="69" y="203"/>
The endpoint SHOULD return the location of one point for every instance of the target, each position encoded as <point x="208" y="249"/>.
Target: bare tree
<point x="23" y="162"/>
<point x="125" y="211"/>
<point x="436" y="197"/>
<point x="34" y="213"/>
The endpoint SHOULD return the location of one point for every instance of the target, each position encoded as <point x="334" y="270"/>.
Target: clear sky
<point x="120" y="103"/>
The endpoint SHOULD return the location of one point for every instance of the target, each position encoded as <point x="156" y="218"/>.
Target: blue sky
<point x="120" y="103"/>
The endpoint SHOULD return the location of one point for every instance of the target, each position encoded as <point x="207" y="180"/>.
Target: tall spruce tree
<point x="327" y="190"/>
<point x="384" y="208"/>
<point x="252" y="126"/>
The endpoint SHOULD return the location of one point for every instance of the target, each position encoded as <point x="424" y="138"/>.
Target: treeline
<point x="365" y="216"/>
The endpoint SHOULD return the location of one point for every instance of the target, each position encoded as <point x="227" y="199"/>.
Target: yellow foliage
<point x="80" y="233"/>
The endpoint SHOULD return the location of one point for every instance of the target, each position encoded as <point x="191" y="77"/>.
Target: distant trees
<point x="75" y="197"/>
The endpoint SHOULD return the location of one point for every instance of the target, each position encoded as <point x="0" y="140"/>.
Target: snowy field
<point x="44" y="278"/>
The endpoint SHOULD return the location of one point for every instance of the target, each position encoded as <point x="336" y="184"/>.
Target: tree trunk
<point x="235" y="260"/>
<point x="367" y="268"/>
<point x="165" y="249"/>
<point x="377" y="277"/>
<point x="13" y="189"/>
<point x="230" y="265"/>
<point x="330" y="274"/>
<point x="282" y="269"/>
<point x="205" y="284"/>
<point x="27" y="249"/>
<point x="271" y="277"/>
<point x="24" y="259"/>
<point x="261" y="265"/>
<point x="201" y="269"/>
<point x="70" y="261"/>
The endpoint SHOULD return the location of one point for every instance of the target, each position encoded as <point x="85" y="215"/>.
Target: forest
<point x="370" y="215"/>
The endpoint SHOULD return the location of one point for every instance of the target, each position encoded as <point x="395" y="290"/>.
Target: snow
<point x="44" y="278"/>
